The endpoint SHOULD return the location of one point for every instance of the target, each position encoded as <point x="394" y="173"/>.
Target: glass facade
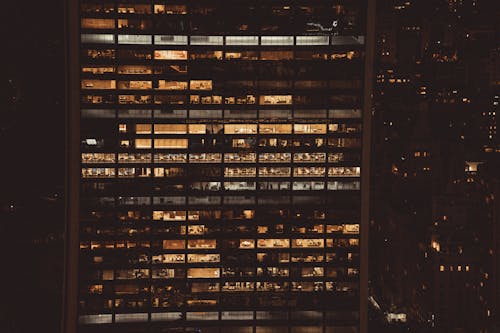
<point x="220" y="147"/>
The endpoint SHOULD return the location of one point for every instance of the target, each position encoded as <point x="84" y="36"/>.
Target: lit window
<point x="171" y="143"/>
<point x="240" y="129"/>
<point x="273" y="243"/>
<point x="89" y="23"/>
<point x="98" y="172"/>
<point x="203" y="257"/>
<point x="142" y="143"/>
<point x="170" y="129"/>
<point x="276" y="40"/>
<point x="172" y="85"/>
<point x="239" y="172"/>
<point x="275" y="99"/>
<point x="143" y="128"/>
<point x="170" y="40"/>
<point x="308" y="243"/>
<point x="206" y="40"/>
<point x="242" y="40"/>
<point x="98" y="84"/>
<point x="309" y="171"/>
<point x="134" y="69"/>
<point x="134" y="8"/>
<point x="197" y="128"/>
<point x="174" y="244"/>
<point x="134" y="39"/>
<point x="169" y="215"/>
<point x="203" y="273"/>
<point x="170" y="158"/>
<point x="312" y="40"/>
<point x="275" y="157"/>
<point x="247" y="243"/>
<point x="200" y="85"/>
<point x="98" y="69"/>
<point x="275" y="128"/>
<point x="276" y="55"/>
<point x="98" y="38"/>
<point x="202" y="244"/>
<point x="239" y="157"/>
<point x="170" y="55"/>
<point x="135" y="85"/>
<point x="274" y="172"/>
<point x="344" y="172"/>
<point x="98" y="158"/>
<point x="309" y="128"/>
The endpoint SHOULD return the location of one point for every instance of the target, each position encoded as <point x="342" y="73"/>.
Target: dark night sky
<point x="32" y="168"/>
<point x="32" y="140"/>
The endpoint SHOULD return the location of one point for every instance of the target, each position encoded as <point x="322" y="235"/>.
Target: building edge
<point x="72" y="169"/>
<point x="365" y="165"/>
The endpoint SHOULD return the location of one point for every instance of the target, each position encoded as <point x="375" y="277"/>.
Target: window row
<point x="239" y="157"/>
<point x="306" y="128"/>
<point x="214" y="272"/>
<point x="144" y="85"/>
<point x="206" y="84"/>
<point x="244" y="143"/>
<point x="220" y="40"/>
<point x="141" y="54"/>
<point x="229" y="114"/>
<point x="208" y="99"/>
<point x="228" y="172"/>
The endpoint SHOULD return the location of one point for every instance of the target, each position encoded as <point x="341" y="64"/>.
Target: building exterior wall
<point x="218" y="152"/>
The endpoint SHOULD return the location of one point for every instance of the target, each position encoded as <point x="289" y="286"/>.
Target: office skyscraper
<point x="217" y="166"/>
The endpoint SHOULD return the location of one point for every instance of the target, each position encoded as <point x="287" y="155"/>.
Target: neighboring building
<point x="461" y="253"/>
<point x="217" y="152"/>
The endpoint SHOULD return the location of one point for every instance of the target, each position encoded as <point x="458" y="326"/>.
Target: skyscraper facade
<point x="218" y="158"/>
